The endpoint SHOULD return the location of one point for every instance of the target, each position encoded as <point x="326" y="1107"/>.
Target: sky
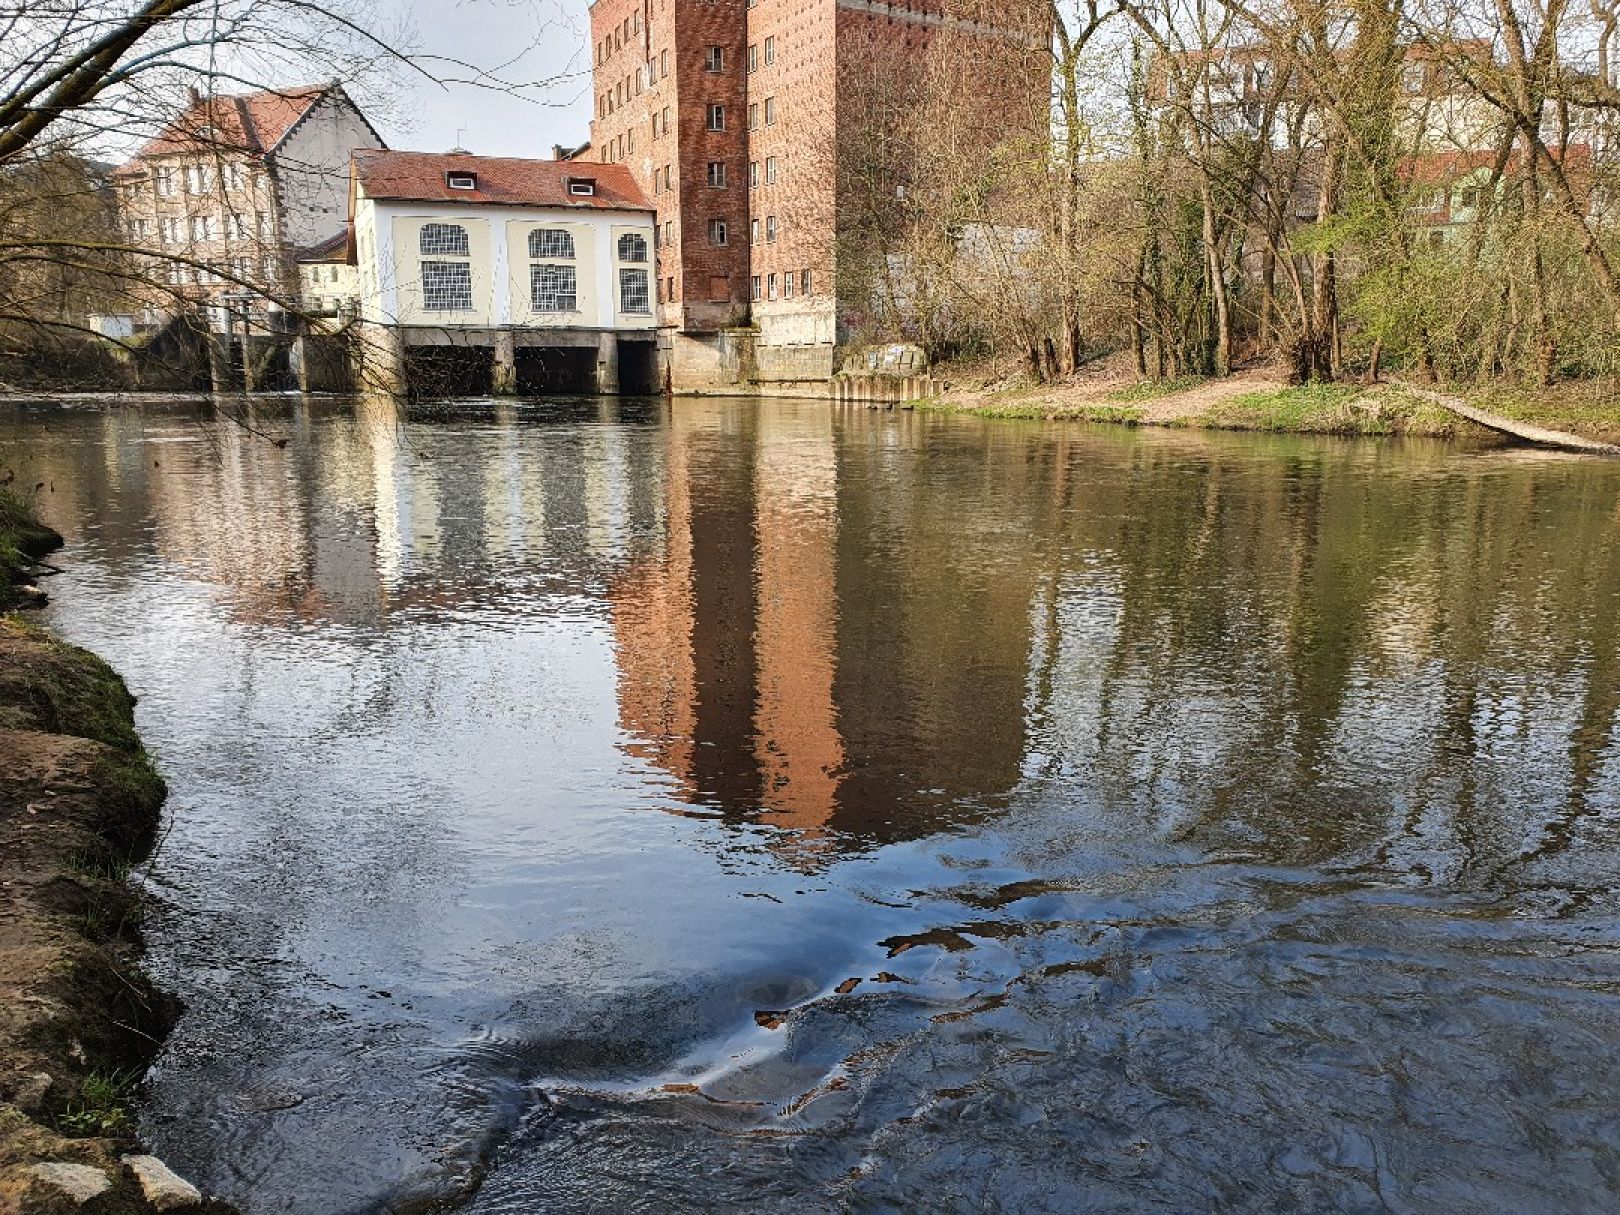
<point x="534" y="54"/>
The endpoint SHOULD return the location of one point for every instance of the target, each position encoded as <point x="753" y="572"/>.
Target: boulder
<point x="80" y="1182"/>
<point x="165" y="1189"/>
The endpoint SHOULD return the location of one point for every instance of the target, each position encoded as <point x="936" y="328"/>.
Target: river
<point x="628" y="806"/>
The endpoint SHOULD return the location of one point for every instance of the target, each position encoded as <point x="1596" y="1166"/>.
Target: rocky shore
<point x="79" y="1022"/>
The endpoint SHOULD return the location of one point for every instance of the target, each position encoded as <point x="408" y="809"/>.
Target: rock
<point x="29" y="1094"/>
<point x="165" y="1189"/>
<point x="80" y="1182"/>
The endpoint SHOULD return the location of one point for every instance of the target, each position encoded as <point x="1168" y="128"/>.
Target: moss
<point x="23" y="539"/>
<point x="61" y="689"/>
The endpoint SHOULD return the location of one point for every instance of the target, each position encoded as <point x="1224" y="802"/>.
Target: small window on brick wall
<point x="714" y="59"/>
<point x="717" y="117"/>
<point x="717" y="232"/>
<point x="717" y="174"/>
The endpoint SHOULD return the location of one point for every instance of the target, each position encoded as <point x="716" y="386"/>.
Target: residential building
<point x="518" y="272"/>
<point x="237" y="187"/>
<point x="729" y="114"/>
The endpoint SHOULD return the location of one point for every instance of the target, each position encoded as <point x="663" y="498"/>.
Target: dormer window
<point x="461" y="180"/>
<point x="583" y="186"/>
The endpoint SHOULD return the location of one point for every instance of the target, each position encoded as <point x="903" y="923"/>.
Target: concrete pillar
<point x="607" y="363"/>
<point x="379" y="358"/>
<point x="504" y="382"/>
<point x="299" y="357"/>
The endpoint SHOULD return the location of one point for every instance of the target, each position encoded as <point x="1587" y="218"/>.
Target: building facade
<point x="529" y="272"/>
<point x="730" y="115"/>
<point x="235" y="190"/>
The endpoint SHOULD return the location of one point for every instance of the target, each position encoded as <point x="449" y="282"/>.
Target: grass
<point x="1039" y="410"/>
<point x="102" y="1106"/>
<point x="1589" y="407"/>
<point x="1335" y="409"/>
<point x="1152" y="390"/>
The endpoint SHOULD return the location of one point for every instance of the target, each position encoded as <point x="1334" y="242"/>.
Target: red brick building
<point x="729" y="114"/>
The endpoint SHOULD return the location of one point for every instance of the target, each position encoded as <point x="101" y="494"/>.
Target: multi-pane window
<point x="164" y="180"/>
<point x="447" y="286"/>
<point x="753" y="175"/>
<point x="202" y="228"/>
<point x="137" y="229"/>
<point x="770" y="110"/>
<point x="551" y="242"/>
<point x="236" y="226"/>
<point x="233" y="176"/>
<point x="753" y="232"/>
<point x="261" y="221"/>
<point x="753" y="284"/>
<point x="753" y="117"/>
<point x="717" y="232"/>
<point x="714" y="59"/>
<point x="632" y="247"/>
<point x="770" y="289"/>
<point x="633" y="295"/>
<point x="169" y="230"/>
<point x="669" y="231"/>
<point x="770" y="170"/>
<point x="444" y="238"/>
<point x="804" y="282"/>
<point x="198" y="179"/>
<point x="753" y="57"/>
<point x="787" y="285"/>
<point x="554" y="288"/>
<point x="666" y="120"/>
<point x="717" y="174"/>
<point x="770" y="50"/>
<point x="770" y="229"/>
<point x="717" y="117"/>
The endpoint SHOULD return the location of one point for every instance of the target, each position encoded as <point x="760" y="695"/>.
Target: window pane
<point x="447" y="286"/>
<point x="551" y="242"/>
<point x="632" y="248"/>
<point x="444" y="238"/>
<point x="553" y="288"/>
<point x="633" y="291"/>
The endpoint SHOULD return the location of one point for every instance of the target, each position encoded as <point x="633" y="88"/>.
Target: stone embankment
<point x="79" y="1022"/>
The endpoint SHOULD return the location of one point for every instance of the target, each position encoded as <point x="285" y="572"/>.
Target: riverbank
<point x="1261" y="401"/>
<point x="79" y="1022"/>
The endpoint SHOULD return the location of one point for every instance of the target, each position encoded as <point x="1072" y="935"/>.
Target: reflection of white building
<point x="547" y="265"/>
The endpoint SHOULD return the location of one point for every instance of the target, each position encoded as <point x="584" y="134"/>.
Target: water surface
<point x="624" y="806"/>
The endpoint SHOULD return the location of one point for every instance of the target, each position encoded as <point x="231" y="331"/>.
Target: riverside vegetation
<point x="78" y="1019"/>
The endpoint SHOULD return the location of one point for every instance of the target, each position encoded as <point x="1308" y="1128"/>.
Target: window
<point x="753" y="232"/>
<point x="169" y="230"/>
<point x="669" y="231"/>
<point x="770" y="110"/>
<point x="666" y="120"/>
<point x="202" y="228"/>
<point x="198" y="179"/>
<point x="447" y="286"/>
<point x="717" y="232"/>
<point x="233" y="176"/>
<point x="753" y="117"/>
<point x="753" y="285"/>
<point x="714" y="59"/>
<point x="717" y="174"/>
<point x="787" y="285"/>
<point x="261" y="223"/>
<point x="663" y="63"/>
<point x="444" y="238"/>
<point x="137" y="229"/>
<point x="582" y="186"/>
<point x="461" y="181"/>
<point x="770" y="50"/>
<point x="165" y="182"/>
<point x="633" y="291"/>
<point x="235" y="226"/>
<point x="770" y="287"/>
<point x="1412" y="78"/>
<point x="770" y="229"/>
<point x="770" y="170"/>
<point x="753" y="175"/>
<point x="1469" y="198"/>
<point x="632" y="247"/>
<point x="554" y="288"/>
<point x="551" y="242"/>
<point x="177" y="275"/>
<point x="804" y="282"/>
<point x="268" y="267"/>
<point x="753" y="58"/>
<point x="717" y="117"/>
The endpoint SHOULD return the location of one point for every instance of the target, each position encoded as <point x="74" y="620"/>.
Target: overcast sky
<point x="537" y="51"/>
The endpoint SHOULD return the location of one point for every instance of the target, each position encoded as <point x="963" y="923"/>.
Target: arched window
<point x="444" y="238"/>
<point x="551" y="242"/>
<point x="632" y="247"/>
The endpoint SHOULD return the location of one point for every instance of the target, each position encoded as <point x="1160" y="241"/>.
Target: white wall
<point x="385" y="242"/>
<point x="312" y="170"/>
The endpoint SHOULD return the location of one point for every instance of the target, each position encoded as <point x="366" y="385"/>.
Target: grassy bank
<point x="79" y="1022"/>
<point x="23" y="539"/>
<point x="1258" y="402"/>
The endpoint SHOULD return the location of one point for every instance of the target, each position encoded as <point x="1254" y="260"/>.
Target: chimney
<point x="195" y="95"/>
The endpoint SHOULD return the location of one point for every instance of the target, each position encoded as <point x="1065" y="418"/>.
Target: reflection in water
<point x="630" y="806"/>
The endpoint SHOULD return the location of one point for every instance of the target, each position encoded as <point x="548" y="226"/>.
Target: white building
<point x="545" y="264"/>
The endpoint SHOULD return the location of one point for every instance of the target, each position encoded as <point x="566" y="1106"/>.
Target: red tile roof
<point x="502" y="181"/>
<point x="252" y="122"/>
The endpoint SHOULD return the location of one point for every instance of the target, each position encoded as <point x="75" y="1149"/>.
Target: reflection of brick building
<point x="730" y="114"/>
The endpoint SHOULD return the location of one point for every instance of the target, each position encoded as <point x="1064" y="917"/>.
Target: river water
<point x="621" y="806"/>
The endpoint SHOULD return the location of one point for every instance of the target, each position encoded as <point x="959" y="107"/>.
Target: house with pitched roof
<point x="508" y="274"/>
<point x="236" y="188"/>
